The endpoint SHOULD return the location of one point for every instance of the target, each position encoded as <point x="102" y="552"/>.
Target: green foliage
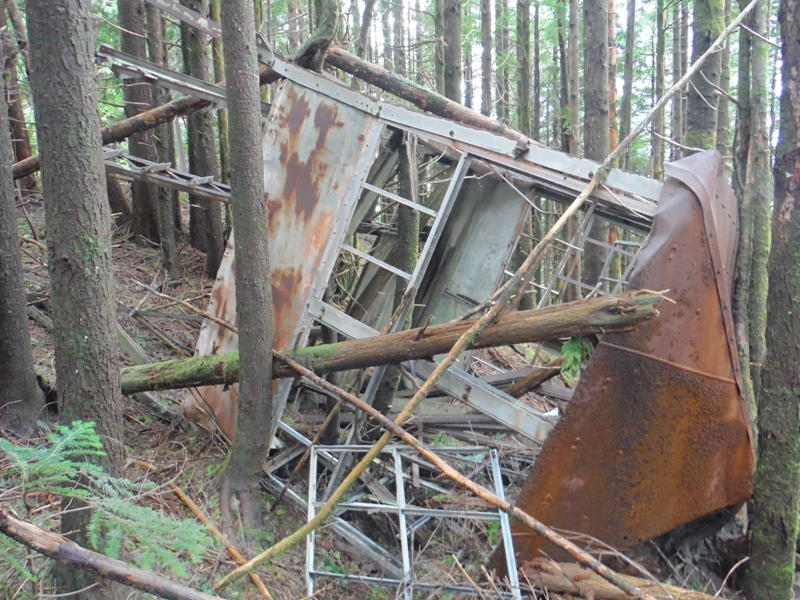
<point x="575" y="351"/>
<point x="63" y="466"/>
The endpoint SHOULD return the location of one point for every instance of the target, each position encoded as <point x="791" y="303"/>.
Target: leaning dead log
<point x="68" y="552"/>
<point x="149" y="119"/>
<point x="417" y="95"/>
<point x="570" y="578"/>
<point x="576" y="319"/>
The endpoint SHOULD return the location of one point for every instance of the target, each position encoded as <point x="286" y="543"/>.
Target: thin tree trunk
<point x="742" y="182"/>
<point x="613" y="133"/>
<point x="774" y="528"/>
<point x="161" y="138"/>
<point x="79" y="242"/>
<point x="537" y="80"/>
<point x="760" y="160"/>
<point x="253" y="275"/>
<point x="658" y="119"/>
<point x="573" y="70"/>
<point x="469" y="91"/>
<point x="723" y="104"/>
<point x="627" y="88"/>
<point x="20" y="396"/>
<point x="439" y="49"/>
<point x="524" y="66"/>
<point x="366" y="23"/>
<point x="701" y="113"/>
<point x="205" y="217"/>
<point x="684" y="58"/>
<point x="561" y="116"/>
<point x="388" y="48"/>
<point x="595" y="61"/>
<point x="144" y="197"/>
<point x="677" y="73"/>
<point x="486" y="57"/>
<point x="452" y="49"/>
<point x="399" y="48"/>
<point x="501" y="58"/>
<point x="222" y="114"/>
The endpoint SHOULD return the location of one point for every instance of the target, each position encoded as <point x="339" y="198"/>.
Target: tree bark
<point x="627" y="88"/>
<point x="562" y="114"/>
<point x="573" y="72"/>
<point x="524" y="67"/>
<point x="613" y="133"/>
<point x="366" y="23"/>
<point x="399" y="47"/>
<point x="469" y="91"/>
<point x="776" y="505"/>
<point x="205" y="216"/>
<point x="79" y="238"/>
<point x="486" y="57"/>
<point x="723" y="103"/>
<point x="20" y="396"/>
<point x="161" y="140"/>
<point x="577" y="319"/>
<point x="77" y="557"/>
<point x="131" y="16"/>
<point x="677" y="73"/>
<point x="438" y="50"/>
<point x="253" y="275"/>
<point x="701" y="113"/>
<point x="222" y="113"/>
<point x="501" y="58"/>
<point x="537" y="80"/>
<point x="452" y="49"/>
<point x="595" y="135"/>
<point x="658" y="119"/>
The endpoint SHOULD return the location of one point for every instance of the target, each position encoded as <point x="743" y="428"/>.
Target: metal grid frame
<point x="405" y="511"/>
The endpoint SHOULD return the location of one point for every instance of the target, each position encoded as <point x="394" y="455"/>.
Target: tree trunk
<point x="760" y="195"/>
<point x="79" y="239"/>
<point x="253" y="275"/>
<point x="501" y="58"/>
<point x="573" y="71"/>
<point x="400" y="60"/>
<point x="452" y="49"/>
<point x="439" y="49"/>
<point x="537" y="80"/>
<point x="723" y="103"/>
<point x="595" y="65"/>
<point x="205" y="217"/>
<point x="701" y="112"/>
<point x="524" y="66"/>
<point x="131" y="16"/>
<point x="613" y="133"/>
<point x="469" y="91"/>
<point x="576" y="319"/>
<point x="562" y="114"/>
<point x="773" y="534"/>
<point x="161" y="138"/>
<point x="677" y="99"/>
<point x="658" y="119"/>
<point x="366" y="23"/>
<point x="684" y="58"/>
<point x="222" y="114"/>
<point x="486" y="57"/>
<point x="627" y="88"/>
<point x="20" y="396"/>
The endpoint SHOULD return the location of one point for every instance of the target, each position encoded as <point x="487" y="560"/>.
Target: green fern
<point x="118" y="524"/>
<point x="574" y="351"/>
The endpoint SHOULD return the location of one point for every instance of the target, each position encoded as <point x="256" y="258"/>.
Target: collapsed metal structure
<point x="620" y="464"/>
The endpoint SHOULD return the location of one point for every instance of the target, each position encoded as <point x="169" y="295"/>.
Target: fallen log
<point x="575" y="319"/>
<point x="149" y="119"/>
<point x="427" y="100"/>
<point x="68" y="552"/>
<point x="571" y="578"/>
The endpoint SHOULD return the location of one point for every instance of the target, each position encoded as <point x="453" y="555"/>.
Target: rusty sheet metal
<point x="657" y="433"/>
<point x="316" y="154"/>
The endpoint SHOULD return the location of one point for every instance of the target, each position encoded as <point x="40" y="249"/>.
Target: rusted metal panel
<point x="316" y="155"/>
<point x="657" y="433"/>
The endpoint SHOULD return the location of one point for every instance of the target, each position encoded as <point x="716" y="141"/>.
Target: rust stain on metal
<point x="657" y="433"/>
<point x="312" y="146"/>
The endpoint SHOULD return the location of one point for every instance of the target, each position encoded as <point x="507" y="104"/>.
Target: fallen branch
<point x="68" y="552"/>
<point x="569" y="578"/>
<point x="576" y="319"/>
